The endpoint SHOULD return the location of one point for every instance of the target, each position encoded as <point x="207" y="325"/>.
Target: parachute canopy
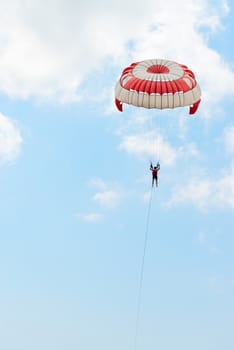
<point x="158" y="83"/>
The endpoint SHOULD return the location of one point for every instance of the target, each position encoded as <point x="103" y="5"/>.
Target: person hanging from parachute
<point x="155" y="170"/>
<point x="158" y="84"/>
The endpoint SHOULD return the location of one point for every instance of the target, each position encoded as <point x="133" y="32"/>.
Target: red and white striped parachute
<point x="158" y="83"/>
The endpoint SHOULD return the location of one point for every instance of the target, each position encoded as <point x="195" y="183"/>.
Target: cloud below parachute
<point x="153" y="145"/>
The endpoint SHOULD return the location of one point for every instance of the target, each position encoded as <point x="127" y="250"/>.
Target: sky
<point x="75" y="182"/>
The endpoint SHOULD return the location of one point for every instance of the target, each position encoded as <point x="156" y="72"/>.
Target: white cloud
<point x="49" y="51"/>
<point x="10" y="140"/>
<point x="206" y="193"/>
<point x="109" y="198"/>
<point x="153" y="145"/>
<point x="149" y="144"/>
<point x="98" y="183"/>
<point x="108" y="194"/>
<point x="181" y="32"/>
<point x="89" y="217"/>
<point x="197" y="192"/>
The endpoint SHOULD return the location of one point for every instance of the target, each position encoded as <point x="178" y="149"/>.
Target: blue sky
<point x="75" y="180"/>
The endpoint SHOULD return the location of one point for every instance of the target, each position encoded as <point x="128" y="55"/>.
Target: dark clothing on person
<point x="155" y="170"/>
